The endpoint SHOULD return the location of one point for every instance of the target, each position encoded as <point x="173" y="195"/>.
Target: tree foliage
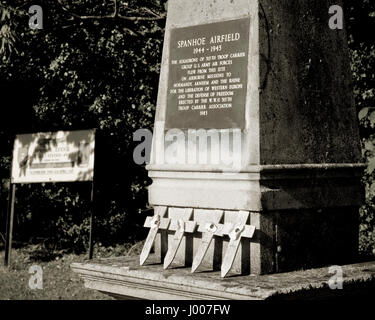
<point x="92" y="66"/>
<point x="361" y="22"/>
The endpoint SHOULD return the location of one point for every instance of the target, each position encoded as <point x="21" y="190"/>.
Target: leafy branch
<point x="7" y="35"/>
<point x="149" y="15"/>
<point x="3" y="238"/>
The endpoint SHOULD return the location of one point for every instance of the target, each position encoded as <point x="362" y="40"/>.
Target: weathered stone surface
<point x="258" y="188"/>
<point x="123" y="278"/>
<point x="306" y="108"/>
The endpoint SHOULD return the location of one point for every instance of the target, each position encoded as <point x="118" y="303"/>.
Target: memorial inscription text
<point x="207" y="80"/>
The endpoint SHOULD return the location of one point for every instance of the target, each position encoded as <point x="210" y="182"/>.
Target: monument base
<point x="305" y="216"/>
<point x="123" y="278"/>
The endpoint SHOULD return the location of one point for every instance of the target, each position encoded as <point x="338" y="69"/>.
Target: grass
<point x="59" y="282"/>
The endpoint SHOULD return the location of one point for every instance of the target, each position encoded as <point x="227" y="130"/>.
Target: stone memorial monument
<point x="256" y="161"/>
<point x="276" y="79"/>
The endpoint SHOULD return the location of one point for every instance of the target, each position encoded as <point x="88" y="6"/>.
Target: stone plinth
<point x="297" y="167"/>
<point x="123" y="278"/>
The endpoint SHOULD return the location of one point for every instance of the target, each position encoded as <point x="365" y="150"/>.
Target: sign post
<point x="9" y="224"/>
<point x="92" y="213"/>
<point x="63" y="156"/>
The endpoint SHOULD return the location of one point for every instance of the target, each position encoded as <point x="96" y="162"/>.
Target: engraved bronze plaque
<point x="207" y="83"/>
